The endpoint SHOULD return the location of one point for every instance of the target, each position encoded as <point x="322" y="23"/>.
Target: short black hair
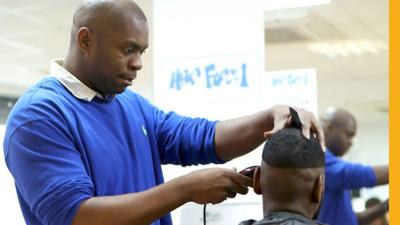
<point x="288" y="148"/>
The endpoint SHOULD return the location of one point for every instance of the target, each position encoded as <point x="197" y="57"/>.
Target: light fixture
<point x="344" y="48"/>
<point x="269" y="5"/>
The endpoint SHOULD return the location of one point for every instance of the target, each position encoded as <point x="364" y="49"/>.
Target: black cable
<point x="204" y="214"/>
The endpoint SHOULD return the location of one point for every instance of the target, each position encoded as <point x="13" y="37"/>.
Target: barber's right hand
<point x="215" y="185"/>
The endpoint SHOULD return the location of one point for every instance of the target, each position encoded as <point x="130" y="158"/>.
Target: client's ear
<point x="256" y="181"/>
<point x="318" y="190"/>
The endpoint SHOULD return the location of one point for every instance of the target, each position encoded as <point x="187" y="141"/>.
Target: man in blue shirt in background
<point x="84" y="149"/>
<point x="341" y="176"/>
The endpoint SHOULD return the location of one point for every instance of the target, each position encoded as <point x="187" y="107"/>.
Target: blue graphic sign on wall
<point x="210" y="75"/>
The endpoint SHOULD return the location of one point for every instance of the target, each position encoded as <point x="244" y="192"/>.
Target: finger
<point x="243" y="190"/>
<point x="231" y="194"/>
<point x="277" y="126"/>
<point x="319" y="133"/>
<point x="289" y="121"/>
<point x="321" y="139"/>
<point x="236" y="188"/>
<point x="218" y="201"/>
<point x="268" y="134"/>
<point x="307" y="120"/>
<point x="242" y="180"/>
<point x="306" y="130"/>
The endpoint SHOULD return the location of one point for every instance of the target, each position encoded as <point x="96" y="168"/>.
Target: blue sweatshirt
<point x="62" y="150"/>
<point x="342" y="177"/>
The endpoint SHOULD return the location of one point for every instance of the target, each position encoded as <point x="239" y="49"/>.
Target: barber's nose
<point x="135" y="62"/>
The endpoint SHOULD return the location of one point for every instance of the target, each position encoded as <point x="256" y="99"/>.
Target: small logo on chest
<point x="144" y="130"/>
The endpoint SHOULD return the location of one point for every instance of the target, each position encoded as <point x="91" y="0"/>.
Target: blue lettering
<point x="213" y="76"/>
<point x="208" y="70"/>
<point x="244" y="83"/>
<point x="176" y="80"/>
<point x="188" y="78"/>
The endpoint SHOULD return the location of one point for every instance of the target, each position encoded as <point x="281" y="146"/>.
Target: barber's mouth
<point x="127" y="81"/>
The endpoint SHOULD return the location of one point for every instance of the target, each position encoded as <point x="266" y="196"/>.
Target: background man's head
<point x="107" y="40"/>
<point x="339" y="130"/>
<point x="292" y="173"/>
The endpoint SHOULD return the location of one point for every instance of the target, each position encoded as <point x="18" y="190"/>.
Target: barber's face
<point x="341" y="138"/>
<point x="117" y="56"/>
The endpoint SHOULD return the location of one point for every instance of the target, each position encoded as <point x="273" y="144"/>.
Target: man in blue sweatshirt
<point x="84" y="149"/>
<point x="342" y="176"/>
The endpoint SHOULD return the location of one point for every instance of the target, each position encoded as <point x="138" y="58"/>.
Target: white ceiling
<point x="32" y="32"/>
<point x="359" y="82"/>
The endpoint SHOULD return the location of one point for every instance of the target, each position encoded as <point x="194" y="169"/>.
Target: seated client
<point x="290" y="179"/>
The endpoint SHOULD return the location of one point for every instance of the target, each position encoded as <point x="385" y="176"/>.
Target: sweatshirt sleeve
<point x="185" y="141"/>
<point x="341" y="175"/>
<point x="48" y="171"/>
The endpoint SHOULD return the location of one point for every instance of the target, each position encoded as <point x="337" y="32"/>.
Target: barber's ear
<point x="84" y="39"/>
<point x="318" y="190"/>
<point x="256" y="181"/>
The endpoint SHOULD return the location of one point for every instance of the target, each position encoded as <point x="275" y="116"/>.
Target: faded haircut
<point x="288" y="148"/>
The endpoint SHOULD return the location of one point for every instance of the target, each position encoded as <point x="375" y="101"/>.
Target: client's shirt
<point x="282" y="218"/>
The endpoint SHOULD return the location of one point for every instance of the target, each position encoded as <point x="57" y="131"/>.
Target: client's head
<point x="292" y="173"/>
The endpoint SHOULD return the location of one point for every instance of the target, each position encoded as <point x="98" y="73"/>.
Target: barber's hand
<point x="282" y="119"/>
<point x="215" y="185"/>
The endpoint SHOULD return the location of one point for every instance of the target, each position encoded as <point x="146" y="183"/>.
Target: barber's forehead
<point x="125" y="26"/>
<point x="344" y="119"/>
<point x="101" y="12"/>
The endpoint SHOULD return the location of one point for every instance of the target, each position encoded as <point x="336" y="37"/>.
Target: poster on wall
<point x="213" y="87"/>
<point x="208" y="57"/>
<point x="296" y="87"/>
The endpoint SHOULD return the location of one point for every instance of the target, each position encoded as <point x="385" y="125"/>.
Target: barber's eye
<point x="128" y="50"/>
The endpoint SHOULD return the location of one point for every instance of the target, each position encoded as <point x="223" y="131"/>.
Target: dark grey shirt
<point x="282" y="218"/>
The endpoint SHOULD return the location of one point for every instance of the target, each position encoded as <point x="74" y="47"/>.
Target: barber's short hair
<point x="288" y="148"/>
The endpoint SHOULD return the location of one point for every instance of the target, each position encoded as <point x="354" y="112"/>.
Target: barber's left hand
<point x="282" y="119"/>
